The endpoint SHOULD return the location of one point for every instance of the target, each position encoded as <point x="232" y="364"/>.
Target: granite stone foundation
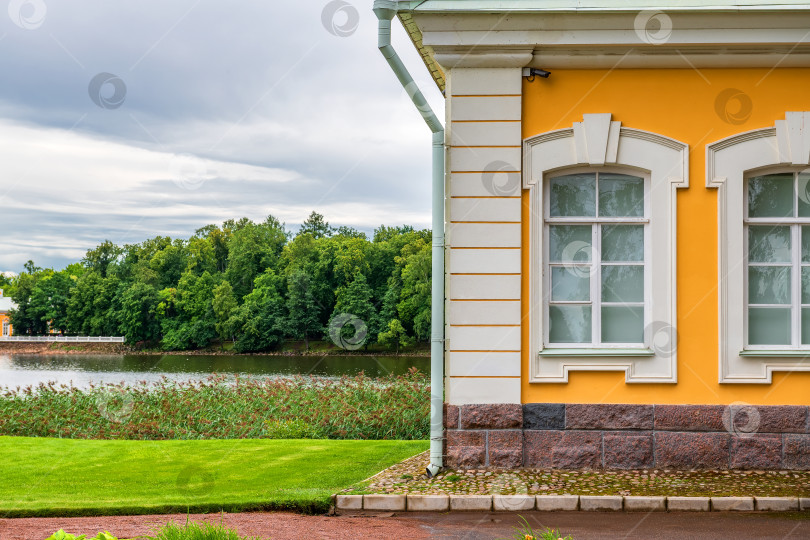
<point x="617" y="436"/>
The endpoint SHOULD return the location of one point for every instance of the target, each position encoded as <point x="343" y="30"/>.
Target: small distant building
<point x="5" y="322"/>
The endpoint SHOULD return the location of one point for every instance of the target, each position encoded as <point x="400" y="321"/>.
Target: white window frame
<point x="596" y="273"/>
<point x="795" y="264"/>
<point x="598" y="142"/>
<point x="729" y="162"/>
<point x="6" y="327"/>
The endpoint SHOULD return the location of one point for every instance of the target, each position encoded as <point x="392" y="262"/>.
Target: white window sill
<point x="597" y="352"/>
<point x="776" y="353"/>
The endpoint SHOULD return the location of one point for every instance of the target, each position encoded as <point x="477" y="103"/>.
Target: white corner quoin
<point x="604" y="145"/>
<point x="784" y="147"/>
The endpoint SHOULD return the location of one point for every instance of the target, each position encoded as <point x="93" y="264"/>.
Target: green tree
<point x="27" y="317"/>
<point x="258" y="323"/>
<point x="354" y="299"/>
<point x="169" y="263"/>
<point x="394" y="336"/>
<point x="414" y="305"/>
<point x="223" y="304"/>
<point x="5" y="283"/>
<point x="252" y="249"/>
<point x="49" y="299"/>
<point x="194" y="321"/>
<point x="303" y="311"/>
<point x="103" y="258"/>
<point x="138" y="313"/>
<point x="316" y="226"/>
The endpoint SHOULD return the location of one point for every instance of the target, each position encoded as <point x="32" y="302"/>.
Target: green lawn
<point x="68" y="477"/>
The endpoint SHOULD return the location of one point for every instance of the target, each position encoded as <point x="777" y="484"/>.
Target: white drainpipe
<point x="385" y="11"/>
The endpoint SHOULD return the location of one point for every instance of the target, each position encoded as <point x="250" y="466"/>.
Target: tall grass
<point x="299" y="407"/>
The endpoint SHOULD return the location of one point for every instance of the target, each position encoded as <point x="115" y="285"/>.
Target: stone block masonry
<point x="620" y="436"/>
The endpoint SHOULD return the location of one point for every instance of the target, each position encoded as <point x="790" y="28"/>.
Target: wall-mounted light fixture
<point x="531" y="73"/>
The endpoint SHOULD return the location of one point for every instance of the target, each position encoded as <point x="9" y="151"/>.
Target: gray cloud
<point x="284" y="117"/>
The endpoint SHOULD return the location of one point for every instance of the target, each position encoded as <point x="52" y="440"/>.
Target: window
<point x="777" y="223"/>
<point x="5" y="328"/>
<point x="763" y="243"/>
<point x="596" y="226"/>
<point x="602" y="240"/>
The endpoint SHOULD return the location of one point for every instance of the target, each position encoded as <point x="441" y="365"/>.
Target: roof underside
<point x="597" y="5"/>
<point x="425" y="51"/>
<point x="408" y="8"/>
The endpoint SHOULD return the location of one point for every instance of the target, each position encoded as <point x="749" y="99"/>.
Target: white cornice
<point x="618" y="39"/>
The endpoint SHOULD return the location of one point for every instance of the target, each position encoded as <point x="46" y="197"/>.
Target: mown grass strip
<point x="60" y="477"/>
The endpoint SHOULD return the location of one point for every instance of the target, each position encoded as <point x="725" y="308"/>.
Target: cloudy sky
<point x="124" y="120"/>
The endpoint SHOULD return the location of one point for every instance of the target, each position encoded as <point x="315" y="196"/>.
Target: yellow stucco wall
<point x="681" y="104"/>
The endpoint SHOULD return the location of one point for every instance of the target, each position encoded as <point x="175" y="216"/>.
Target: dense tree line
<point x="253" y="283"/>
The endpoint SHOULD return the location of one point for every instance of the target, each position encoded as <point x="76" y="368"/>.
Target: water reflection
<point x="80" y="370"/>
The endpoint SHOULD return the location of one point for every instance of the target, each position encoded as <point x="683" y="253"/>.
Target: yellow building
<point x="628" y="230"/>
<point x="6" y="329"/>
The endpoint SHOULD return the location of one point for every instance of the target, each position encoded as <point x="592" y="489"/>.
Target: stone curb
<point x="688" y="504"/>
<point x="733" y="504"/>
<point x="645" y="504"/>
<point x="777" y="504"/>
<point x="428" y="503"/>
<point x="562" y="503"/>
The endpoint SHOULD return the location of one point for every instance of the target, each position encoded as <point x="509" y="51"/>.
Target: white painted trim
<point x="727" y="163"/>
<point x="666" y="161"/>
<point x="561" y="39"/>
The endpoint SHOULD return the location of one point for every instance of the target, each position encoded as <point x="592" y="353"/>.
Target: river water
<point x="81" y="370"/>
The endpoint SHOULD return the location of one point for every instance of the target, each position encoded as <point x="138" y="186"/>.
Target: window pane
<point x="805" y="326"/>
<point x="805" y="244"/>
<point x="769" y="285"/>
<point x="569" y="324"/>
<point x="623" y="243"/>
<point x="622" y="324"/>
<point x="570" y="283"/>
<point x="771" y="195"/>
<point x="768" y="326"/>
<point x="573" y="195"/>
<point x="805" y="284"/>
<point x="767" y="243"/>
<point x="621" y="195"/>
<point x="623" y="283"/>
<point x="804" y="194"/>
<point x="569" y="243"/>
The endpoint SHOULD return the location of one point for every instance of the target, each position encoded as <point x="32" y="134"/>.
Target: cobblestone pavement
<point x="409" y="477"/>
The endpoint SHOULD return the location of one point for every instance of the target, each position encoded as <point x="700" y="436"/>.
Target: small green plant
<point x="525" y="532"/>
<point x="407" y="477"/>
<point x="192" y="530"/>
<point x="62" y="535"/>
<point x="452" y="478"/>
<point x="289" y="429"/>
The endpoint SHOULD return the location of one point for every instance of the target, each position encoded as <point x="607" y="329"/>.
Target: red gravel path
<point x="277" y="525"/>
